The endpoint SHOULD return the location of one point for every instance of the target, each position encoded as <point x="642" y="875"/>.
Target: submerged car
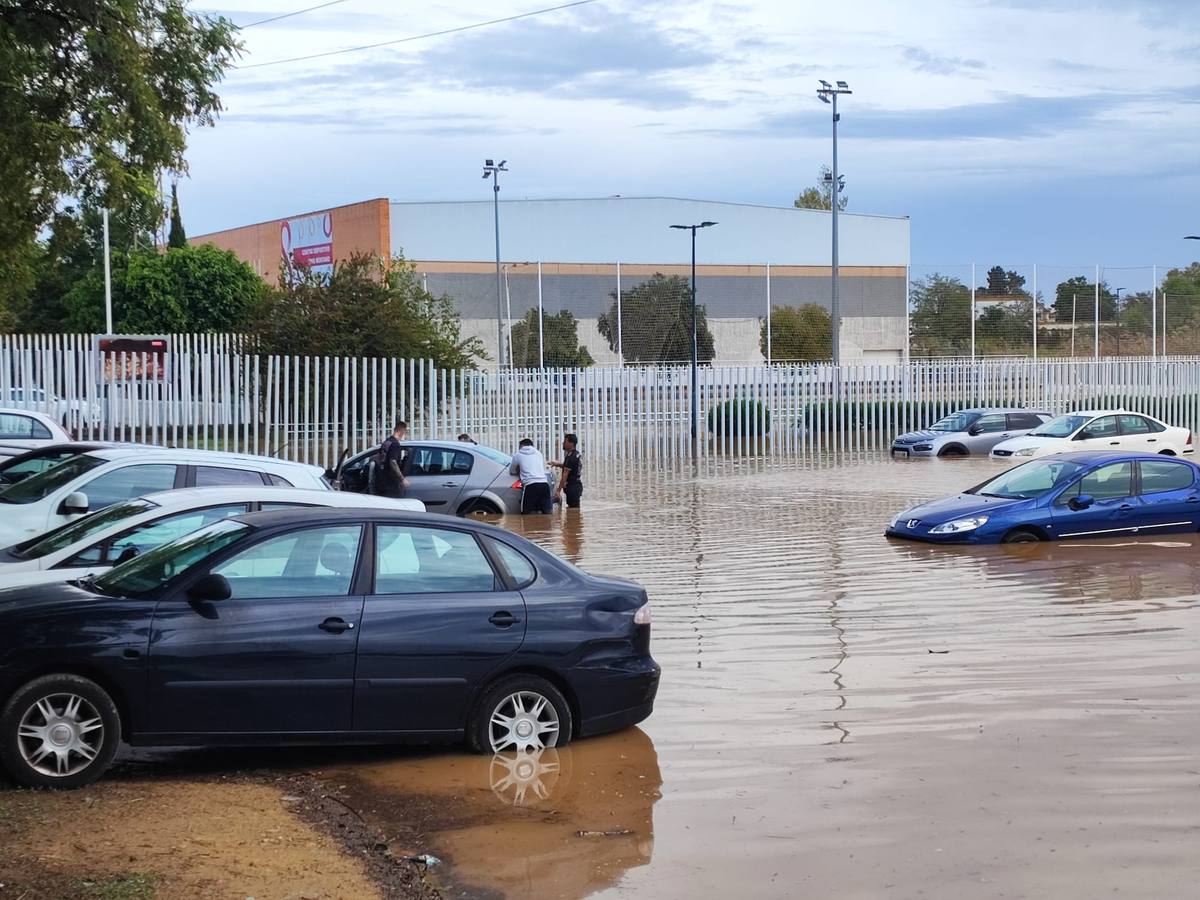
<point x="1070" y="495"/>
<point x="451" y="477"/>
<point x="320" y="626"/>
<point x="968" y="432"/>
<point x="1098" y="430"/>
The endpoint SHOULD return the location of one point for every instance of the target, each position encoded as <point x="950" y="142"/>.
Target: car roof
<point x="1095" y="413"/>
<point x="198" y="496"/>
<point x="282" y="517"/>
<point x="215" y="456"/>
<point x="1094" y="457"/>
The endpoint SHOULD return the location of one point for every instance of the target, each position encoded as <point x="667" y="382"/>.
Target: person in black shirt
<point x="389" y="474"/>
<point x="570" y="483"/>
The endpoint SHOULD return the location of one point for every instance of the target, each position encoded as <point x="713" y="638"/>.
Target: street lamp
<point x="829" y="94"/>
<point x="492" y="170"/>
<point x="695" y="345"/>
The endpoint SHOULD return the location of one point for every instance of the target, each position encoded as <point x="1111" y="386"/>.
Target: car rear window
<point x="1023" y="420"/>
<point x="1159" y="476"/>
<point x="215" y="476"/>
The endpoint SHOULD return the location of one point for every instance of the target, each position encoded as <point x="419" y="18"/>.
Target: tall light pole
<point x="1118" y="293"/>
<point x="493" y="170"/>
<point x="695" y="342"/>
<point x="829" y="94"/>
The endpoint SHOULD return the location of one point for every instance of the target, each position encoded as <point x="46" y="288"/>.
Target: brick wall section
<point x="357" y="228"/>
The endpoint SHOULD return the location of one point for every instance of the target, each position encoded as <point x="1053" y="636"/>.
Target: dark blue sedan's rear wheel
<point x="59" y="731"/>
<point x="522" y="713"/>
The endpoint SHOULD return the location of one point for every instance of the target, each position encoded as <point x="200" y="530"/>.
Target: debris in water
<point x="616" y="833"/>
<point x="425" y="859"/>
<point x="939" y="651"/>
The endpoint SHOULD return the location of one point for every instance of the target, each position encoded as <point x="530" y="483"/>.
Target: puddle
<point x="844" y="716"/>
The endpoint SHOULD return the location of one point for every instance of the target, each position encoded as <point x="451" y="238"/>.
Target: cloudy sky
<point x="1014" y="131"/>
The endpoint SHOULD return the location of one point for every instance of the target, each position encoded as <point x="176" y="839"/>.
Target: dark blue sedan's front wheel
<point x="520" y="712"/>
<point x="59" y="731"/>
<point x="1021" y="536"/>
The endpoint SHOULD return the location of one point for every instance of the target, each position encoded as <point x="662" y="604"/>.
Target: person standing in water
<point x="530" y="466"/>
<point x="570" y="484"/>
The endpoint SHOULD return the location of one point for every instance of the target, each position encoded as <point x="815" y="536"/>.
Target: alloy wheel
<point x="523" y="721"/>
<point x="60" y="735"/>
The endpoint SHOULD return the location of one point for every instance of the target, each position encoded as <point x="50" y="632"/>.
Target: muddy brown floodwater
<point x="842" y="716"/>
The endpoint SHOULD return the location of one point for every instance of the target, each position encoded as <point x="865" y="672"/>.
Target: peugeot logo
<point x="913" y="523"/>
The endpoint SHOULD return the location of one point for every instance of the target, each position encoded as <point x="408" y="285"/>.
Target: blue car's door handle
<point x="1124" y="506"/>
<point x="1193" y="499"/>
<point x="503" y="619"/>
<point x="335" y="625"/>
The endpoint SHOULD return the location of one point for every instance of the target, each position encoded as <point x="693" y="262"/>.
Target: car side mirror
<point x="1083" y="501"/>
<point x="975" y="431"/>
<point x="76" y="502"/>
<point x="130" y="552"/>
<point x="210" y="588"/>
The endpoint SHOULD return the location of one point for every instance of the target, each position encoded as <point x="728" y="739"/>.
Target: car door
<point x="1169" y="496"/>
<point x="1114" y="508"/>
<point x="115" y="485"/>
<point x="986" y="432"/>
<point x="223" y="476"/>
<point x="1136" y="433"/>
<point x="278" y="655"/>
<point x="438" y="622"/>
<point x="437" y="475"/>
<point x="1021" y="423"/>
<point x="1102" y="433"/>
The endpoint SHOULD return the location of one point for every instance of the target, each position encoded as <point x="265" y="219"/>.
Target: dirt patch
<point x="271" y="836"/>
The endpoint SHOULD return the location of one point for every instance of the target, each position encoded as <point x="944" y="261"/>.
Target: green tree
<point x="366" y="307"/>
<point x="185" y="289"/>
<point x="1181" y="290"/>
<point x="798" y="334"/>
<point x="560" y="334"/>
<point x="1001" y="283"/>
<point x="1004" y="327"/>
<point x="1079" y="294"/>
<point x="940" y="320"/>
<point x="820" y="196"/>
<point x="177" y="237"/>
<point x="656" y="322"/>
<point x="96" y="97"/>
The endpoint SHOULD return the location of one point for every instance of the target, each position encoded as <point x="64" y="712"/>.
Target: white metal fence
<point x="203" y="392"/>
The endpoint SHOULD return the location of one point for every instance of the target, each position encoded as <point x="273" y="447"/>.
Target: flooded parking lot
<point x="841" y="715"/>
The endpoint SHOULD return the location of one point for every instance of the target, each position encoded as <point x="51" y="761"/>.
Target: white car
<point x="22" y="430"/>
<point x="95" y="543"/>
<point x="71" y="413"/>
<point x="1105" y="429"/>
<point x="89" y="482"/>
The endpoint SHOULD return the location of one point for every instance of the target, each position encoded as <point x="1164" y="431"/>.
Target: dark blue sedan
<point x="330" y="625"/>
<point x="1069" y="495"/>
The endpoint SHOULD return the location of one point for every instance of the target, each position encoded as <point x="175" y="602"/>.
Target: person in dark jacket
<point x="570" y="484"/>
<point x="389" y="475"/>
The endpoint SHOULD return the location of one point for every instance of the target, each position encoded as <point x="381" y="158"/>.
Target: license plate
<point x="896" y="451"/>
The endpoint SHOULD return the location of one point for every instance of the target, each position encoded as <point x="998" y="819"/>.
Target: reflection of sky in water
<point x="849" y="717"/>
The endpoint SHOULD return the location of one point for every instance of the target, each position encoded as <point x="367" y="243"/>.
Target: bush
<point x="732" y="416"/>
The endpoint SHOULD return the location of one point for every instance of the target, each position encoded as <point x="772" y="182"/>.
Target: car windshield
<point x="959" y="421"/>
<point x="1063" y="426"/>
<point x="494" y="455"/>
<point x="150" y="571"/>
<point x="80" y="529"/>
<point x="1030" y="480"/>
<point x="36" y="487"/>
<point x="21" y="467"/>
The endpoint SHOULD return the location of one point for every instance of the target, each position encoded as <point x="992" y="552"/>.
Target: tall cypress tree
<point x="176" y="237"/>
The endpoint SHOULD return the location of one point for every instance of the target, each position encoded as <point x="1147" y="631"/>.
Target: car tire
<point x="1021" y="536"/>
<point x="1166" y="452"/>
<point x="952" y="451"/>
<point x="478" y="508"/>
<point x="533" y="705"/>
<point x="86" y="732"/>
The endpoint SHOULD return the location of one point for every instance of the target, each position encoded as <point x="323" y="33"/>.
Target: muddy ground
<point x="840" y="716"/>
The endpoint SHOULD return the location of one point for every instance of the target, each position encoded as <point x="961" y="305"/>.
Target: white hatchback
<point x="89" y="482"/>
<point x="22" y="430"/>
<point x="1106" y="429"/>
<point x="95" y="543"/>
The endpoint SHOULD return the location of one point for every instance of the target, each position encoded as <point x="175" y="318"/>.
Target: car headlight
<point x="957" y="526"/>
<point x="1025" y="451"/>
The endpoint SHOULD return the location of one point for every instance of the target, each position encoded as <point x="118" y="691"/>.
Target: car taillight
<point x="1189" y="440"/>
<point x="642" y="616"/>
<point x="516" y="485"/>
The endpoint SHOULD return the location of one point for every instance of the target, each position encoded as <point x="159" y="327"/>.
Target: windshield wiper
<point x="998" y="496"/>
<point x="88" y="583"/>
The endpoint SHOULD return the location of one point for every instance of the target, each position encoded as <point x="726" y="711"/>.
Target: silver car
<point x="969" y="432"/>
<point x="450" y="477"/>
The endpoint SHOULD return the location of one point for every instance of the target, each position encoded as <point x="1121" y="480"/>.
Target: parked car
<point x="449" y="477"/>
<point x="98" y="541"/>
<point x="30" y="462"/>
<point x="28" y="430"/>
<point x="1071" y="495"/>
<point x="91" y="481"/>
<point x="338" y="625"/>
<point x="71" y="414"/>
<point x="1098" y="430"/>
<point x="968" y="432"/>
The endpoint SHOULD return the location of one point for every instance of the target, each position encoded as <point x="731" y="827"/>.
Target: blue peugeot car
<point x="320" y="626"/>
<point x="1069" y="495"/>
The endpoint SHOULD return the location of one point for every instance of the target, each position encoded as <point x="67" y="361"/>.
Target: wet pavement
<point x="843" y="716"/>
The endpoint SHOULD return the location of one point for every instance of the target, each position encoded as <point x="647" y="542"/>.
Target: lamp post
<point x="829" y="94"/>
<point x="492" y="170"/>
<point x="695" y="343"/>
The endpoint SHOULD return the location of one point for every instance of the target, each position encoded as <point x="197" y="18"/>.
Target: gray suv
<point x="969" y="432"/>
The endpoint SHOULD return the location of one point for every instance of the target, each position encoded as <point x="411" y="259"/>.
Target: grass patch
<point x="134" y="886"/>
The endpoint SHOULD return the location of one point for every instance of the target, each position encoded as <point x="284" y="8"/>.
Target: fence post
<point x="768" y="314"/>
<point x="541" y="333"/>
<point x="1154" y="313"/>
<point x="1096" y="320"/>
<point x="972" y="312"/>
<point x="1035" y="312"/>
<point x="620" y="352"/>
